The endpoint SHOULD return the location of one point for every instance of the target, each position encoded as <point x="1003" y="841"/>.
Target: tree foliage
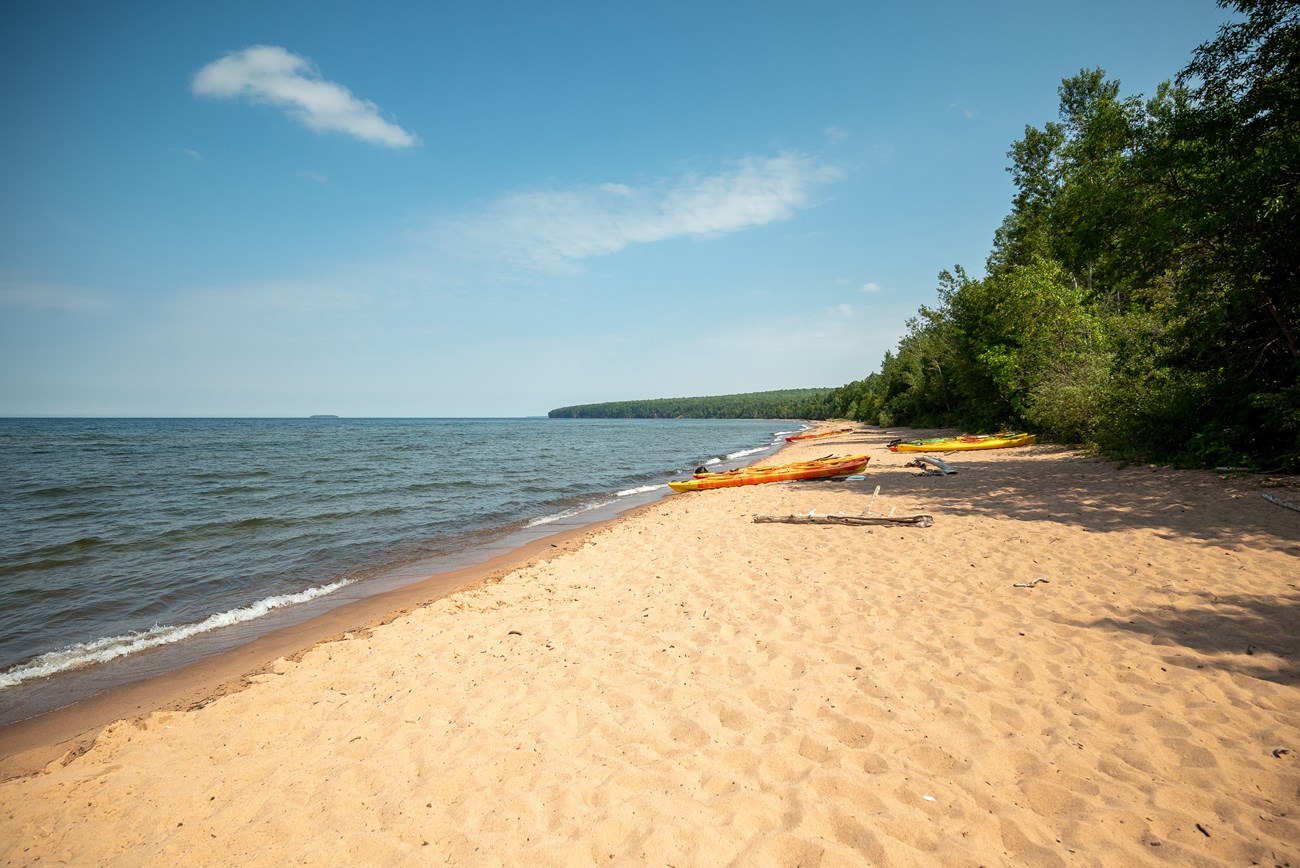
<point x="1143" y="294"/>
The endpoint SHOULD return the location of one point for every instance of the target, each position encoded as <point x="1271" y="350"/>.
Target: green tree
<point x="1226" y="162"/>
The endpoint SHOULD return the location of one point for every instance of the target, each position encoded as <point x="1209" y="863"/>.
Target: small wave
<point x="713" y="460"/>
<point x="254" y="522"/>
<point x="206" y="476"/>
<point x="640" y="489"/>
<point x="56" y="556"/>
<point x="52" y="491"/>
<point x="568" y="513"/>
<point x="226" y="491"/>
<point x="113" y="647"/>
<point x="743" y="452"/>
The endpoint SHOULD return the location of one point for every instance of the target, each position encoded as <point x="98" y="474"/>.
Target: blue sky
<point x="494" y="209"/>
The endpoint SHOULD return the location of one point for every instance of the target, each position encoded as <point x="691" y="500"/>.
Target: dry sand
<point x="687" y="687"/>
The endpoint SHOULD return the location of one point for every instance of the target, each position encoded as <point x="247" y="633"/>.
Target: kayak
<point x="964" y="443"/>
<point x="824" y="469"/>
<point x="815" y="436"/>
<point x="704" y="473"/>
<point x="821" y="469"/>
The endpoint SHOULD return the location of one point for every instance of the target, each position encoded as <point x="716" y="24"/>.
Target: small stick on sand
<point x="1030" y="583"/>
<point x="1280" y="502"/>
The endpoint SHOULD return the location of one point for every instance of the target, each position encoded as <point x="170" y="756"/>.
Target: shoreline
<point x="682" y="684"/>
<point x="27" y="745"/>
<point x="98" y="685"/>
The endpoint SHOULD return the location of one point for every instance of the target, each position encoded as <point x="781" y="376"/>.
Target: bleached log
<point x="1280" y="502"/>
<point x="922" y="520"/>
<point x="942" y="466"/>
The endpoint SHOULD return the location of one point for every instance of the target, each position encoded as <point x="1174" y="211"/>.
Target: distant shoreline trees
<point x="780" y="404"/>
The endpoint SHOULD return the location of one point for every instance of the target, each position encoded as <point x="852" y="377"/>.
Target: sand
<point x="684" y="686"/>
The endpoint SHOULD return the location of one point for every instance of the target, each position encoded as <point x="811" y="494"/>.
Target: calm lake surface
<point x="133" y="546"/>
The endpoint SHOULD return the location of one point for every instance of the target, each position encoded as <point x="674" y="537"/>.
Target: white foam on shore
<point x="743" y="452"/>
<point x="568" y="513"/>
<point x="113" y="647"/>
<point x="640" y="489"/>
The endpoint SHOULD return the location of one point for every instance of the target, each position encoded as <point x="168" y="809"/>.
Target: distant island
<point x="780" y="404"/>
<point x="323" y="416"/>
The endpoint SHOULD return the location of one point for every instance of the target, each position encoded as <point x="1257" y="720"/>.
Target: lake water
<point x="168" y="539"/>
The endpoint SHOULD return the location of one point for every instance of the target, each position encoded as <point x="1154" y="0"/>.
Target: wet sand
<point x="686" y="686"/>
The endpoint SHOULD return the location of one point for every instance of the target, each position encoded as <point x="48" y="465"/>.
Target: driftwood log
<point x="937" y="465"/>
<point x="921" y="520"/>
<point x="1280" y="502"/>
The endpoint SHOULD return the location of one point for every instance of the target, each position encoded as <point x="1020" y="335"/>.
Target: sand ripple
<point x="688" y="687"/>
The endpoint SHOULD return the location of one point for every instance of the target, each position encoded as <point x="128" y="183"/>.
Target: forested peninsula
<point x="1143" y="293"/>
<point x="781" y="404"/>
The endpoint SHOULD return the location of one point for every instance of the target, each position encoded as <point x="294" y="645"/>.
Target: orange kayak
<point x="764" y="468"/>
<point x="825" y="469"/>
<point x="815" y="436"/>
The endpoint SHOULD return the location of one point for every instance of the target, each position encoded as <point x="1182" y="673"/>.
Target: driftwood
<point x="1280" y="502"/>
<point x="921" y="520"/>
<point x="939" y="465"/>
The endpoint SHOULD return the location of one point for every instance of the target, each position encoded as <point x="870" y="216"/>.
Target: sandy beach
<point x="686" y="686"/>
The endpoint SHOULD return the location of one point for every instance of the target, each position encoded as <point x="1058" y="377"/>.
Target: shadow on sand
<point x="1244" y="634"/>
<point x="1098" y="496"/>
<point x="1241" y="632"/>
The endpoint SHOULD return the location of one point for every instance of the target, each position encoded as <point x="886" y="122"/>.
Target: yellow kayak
<point x="965" y="443"/>
<point x="777" y="473"/>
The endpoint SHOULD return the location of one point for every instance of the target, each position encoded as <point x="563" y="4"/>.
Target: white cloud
<point x="871" y="287"/>
<point x="842" y="311"/>
<point x="313" y="175"/>
<point x="552" y="230"/>
<point x="836" y="136"/>
<point x="270" y="74"/>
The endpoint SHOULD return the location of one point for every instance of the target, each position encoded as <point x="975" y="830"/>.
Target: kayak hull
<point x="965" y="444"/>
<point x="777" y="473"/>
<point x="815" y="436"/>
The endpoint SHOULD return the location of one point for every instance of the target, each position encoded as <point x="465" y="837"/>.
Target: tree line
<point x="780" y="404"/>
<point x="1142" y="295"/>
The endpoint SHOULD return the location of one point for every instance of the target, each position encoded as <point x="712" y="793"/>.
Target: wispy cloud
<point x="313" y="175"/>
<point x="553" y="230"/>
<point x="966" y="111"/>
<point x="270" y="74"/>
<point x="48" y="296"/>
<point x="871" y="287"/>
